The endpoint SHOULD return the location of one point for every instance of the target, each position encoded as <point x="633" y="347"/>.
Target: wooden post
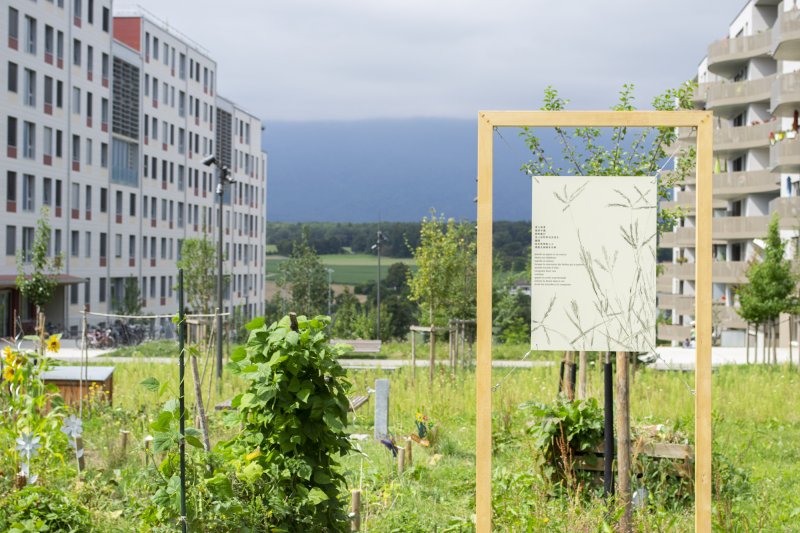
<point x="401" y="461"/>
<point x="413" y="355"/>
<point x="148" y="440"/>
<point x="81" y="456"/>
<point x="355" y="510"/>
<point x="582" y="375"/>
<point x="123" y="441"/>
<point x="568" y="391"/>
<point x="775" y="334"/>
<point x="747" y="343"/>
<point x="623" y="442"/>
<point x="791" y="334"/>
<point x="409" y="457"/>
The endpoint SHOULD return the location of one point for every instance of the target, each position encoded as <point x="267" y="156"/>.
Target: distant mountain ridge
<point x="396" y="170"/>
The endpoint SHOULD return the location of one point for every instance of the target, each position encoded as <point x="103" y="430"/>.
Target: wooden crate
<point x="68" y="381"/>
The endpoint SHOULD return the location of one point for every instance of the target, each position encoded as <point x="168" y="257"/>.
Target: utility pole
<point x="223" y="178"/>
<point x="381" y="238"/>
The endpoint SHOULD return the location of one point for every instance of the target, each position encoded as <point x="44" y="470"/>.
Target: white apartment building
<point x="750" y="79"/>
<point x="111" y="119"/>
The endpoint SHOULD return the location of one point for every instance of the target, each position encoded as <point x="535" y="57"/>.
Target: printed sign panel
<point x="593" y="270"/>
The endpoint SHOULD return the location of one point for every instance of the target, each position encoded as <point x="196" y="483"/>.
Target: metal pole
<point x="220" y="194"/>
<point x="330" y="290"/>
<point x="378" y="314"/>
<point x="182" y="416"/>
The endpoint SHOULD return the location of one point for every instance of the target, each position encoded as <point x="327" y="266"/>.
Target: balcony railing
<point x="788" y="209"/>
<point x="784" y="156"/>
<point x="747" y="182"/>
<point x="739" y="93"/>
<point x="721" y="271"/>
<point x="669" y="332"/>
<point x="785" y="94"/>
<point x="682" y="304"/>
<point x="738" y="49"/>
<point x="786" y="35"/>
<point x="735" y="228"/>
<point x="742" y="137"/>
<point x="686" y="200"/>
<point x="680" y="238"/>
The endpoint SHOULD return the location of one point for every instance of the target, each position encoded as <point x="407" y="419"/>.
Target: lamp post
<point x="381" y="238"/>
<point x="330" y="274"/>
<point x="223" y="178"/>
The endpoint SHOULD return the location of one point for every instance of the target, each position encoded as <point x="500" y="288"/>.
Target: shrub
<point x="36" y="508"/>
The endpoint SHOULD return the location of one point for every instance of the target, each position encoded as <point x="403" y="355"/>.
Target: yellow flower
<point x="9" y="355"/>
<point x="53" y="344"/>
<point x="8" y="373"/>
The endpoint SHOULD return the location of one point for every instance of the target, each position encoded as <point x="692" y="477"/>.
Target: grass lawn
<point x="756" y="428"/>
<point x="348" y="269"/>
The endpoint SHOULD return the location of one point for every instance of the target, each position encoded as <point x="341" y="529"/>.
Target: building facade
<point x="750" y="79"/>
<point x="108" y="121"/>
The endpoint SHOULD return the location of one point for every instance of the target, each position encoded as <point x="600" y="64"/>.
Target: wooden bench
<point x="657" y="450"/>
<point x="360" y="345"/>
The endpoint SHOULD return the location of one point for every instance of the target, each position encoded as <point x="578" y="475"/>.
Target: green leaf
<point x="194" y="441"/>
<point x="316" y="496"/>
<point x="256" y="323"/>
<point x="220" y="486"/>
<point x="238" y="354"/>
<point x="162" y="442"/>
<point x="247" y="399"/>
<point x="321" y="477"/>
<point x="151" y="384"/>
<point x="162" y="423"/>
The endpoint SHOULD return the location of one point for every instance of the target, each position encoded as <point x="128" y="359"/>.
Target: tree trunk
<point x="623" y="442"/>
<point x="568" y="357"/>
<point x="775" y="335"/>
<point x="764" y="346"/>
<point x="747" y="343"/>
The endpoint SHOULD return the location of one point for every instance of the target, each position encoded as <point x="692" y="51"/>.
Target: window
<point x="29" y="94"/>
<point x="118" y="245"/>
<point x="57" y="243"/>
<point x="30" y="27"/>
<point x="88" y="205"/>
<point x="11" y="186"/>
<point x="147" y="45"/>
<point x="118" y="203"/>
<point x="165" y="57"/>
<point x="28" y="140"/>
<point x="59" y="143"/>
<point x="106" y="24"/>
<point x="76" y="196"/>
<point x="58" y="194"/>
<point x="87" y="290"/>
<point x="132" y="205"/>
<point x="47" y="192"/>
<point x="60" y="47"/>
<point x="28" y="192"/>
<point x="76" y="52"/>
<point x="76" y="100"/>
<point x="77" y="9"/>
<point x="104" y="110"/>
<point x="27" y="243"/>
<point x="89" y="155"/>
<point x="75" y="243"/>
<point x="155" y="47"/>
<point x="73" y="294"/>
<point x="11" y="240"/>
<point x="87" y="244"/>
<point x="13" y="26"/>
<point x="104" y="155"/>
<point x="89" y="60"/>
<point x="104" y="66"/>
<point x="103" y="200"/>
<point x="48" y="91"/>
<point x="59" y="94"/>
<point x="102" y="281"/>
<point x="11" y="132"/>
<point x="103" y="245"/>
<point x="90" y="14"/>
<point x="12" y="77"/>
<point x="132" y="247"/>
<point x="182" y="66"/>
<point x="49" y="43"/>
<point x="76" y="149"/>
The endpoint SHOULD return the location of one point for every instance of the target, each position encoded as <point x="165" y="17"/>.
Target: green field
<point x="348" y="269"/>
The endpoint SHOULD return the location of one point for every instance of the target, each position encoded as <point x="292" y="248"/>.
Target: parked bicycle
<point x="97" y="338"/>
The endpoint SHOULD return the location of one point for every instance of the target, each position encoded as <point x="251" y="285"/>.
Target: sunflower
<point x="53" y="344"/>
<point x="8" y="373"/>
<point x="9" y="355"/>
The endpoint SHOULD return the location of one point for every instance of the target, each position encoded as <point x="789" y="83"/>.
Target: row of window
<point x="166" y="133"/>
<point x="53" y="40"/>
<point x="164" y="92"/>
<point x="162" y="51"/>
<point x="52" y="143"/>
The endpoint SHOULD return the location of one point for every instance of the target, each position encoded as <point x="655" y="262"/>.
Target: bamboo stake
<point x="623" y="442"/>
<point x="582" y="375"/>
<point x="432" y="367"/>
<point x="355" y="510"/>
<point x="201" y="411"/>
<point x="401" y="461"/>
<point x="413" y="355"/>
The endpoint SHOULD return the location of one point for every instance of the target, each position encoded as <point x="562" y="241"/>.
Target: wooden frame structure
<point x="487" y="122"/>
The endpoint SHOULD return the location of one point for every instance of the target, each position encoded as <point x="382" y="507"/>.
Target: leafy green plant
<point x="292" y="416"/>
<point x="562" y="429"/>
<point x="42" y="509"/>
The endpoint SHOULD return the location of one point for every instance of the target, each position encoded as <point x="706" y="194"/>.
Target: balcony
<point x="670" y="332"/>
<point x="784" y="156"/>
<point x="788" y="209"/>
<point x="739" y="228"/>
<point x="664" y="284"/>
<point x="700" y="94"/>
<point x="680" y="238"/>
<point x="727" y="317"/>
<point x="725" y="55"/>
<point x="738" y="139"/>
<point x="740" y="93"/>
<point x="721" y="271"/>
<point x="785" y="94"/>
<point x="681" y="304"/>
<point x="737" y="184"/>
<point x="786" y="35"/>
<point x="686" y="201"/>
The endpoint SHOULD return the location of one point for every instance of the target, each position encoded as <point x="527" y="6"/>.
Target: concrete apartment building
<point x="107" y="120"/>
<point x="750" y="79"/>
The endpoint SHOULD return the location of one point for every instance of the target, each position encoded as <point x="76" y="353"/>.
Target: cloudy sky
<point x="303" y="60"/>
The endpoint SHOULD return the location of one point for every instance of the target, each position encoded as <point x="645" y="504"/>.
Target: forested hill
<point x="512" y="240"/>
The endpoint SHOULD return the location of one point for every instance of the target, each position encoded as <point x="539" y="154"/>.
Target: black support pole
<point x="182" y="416"/>
<point x="608" y="429"/>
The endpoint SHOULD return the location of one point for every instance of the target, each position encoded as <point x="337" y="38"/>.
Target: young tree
<point x="131" y="301"/>
<point x="199" y="264"/>
<point x="345" y="316"/>
<point x="305" y="276"/>
<point x="37" y="282"/>
<point x="772" y="286"/>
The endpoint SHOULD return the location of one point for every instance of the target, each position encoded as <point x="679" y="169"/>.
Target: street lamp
<point x="223" y="178"/>
<point x="330" y="274"/>
<point x="381" y="238"/>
